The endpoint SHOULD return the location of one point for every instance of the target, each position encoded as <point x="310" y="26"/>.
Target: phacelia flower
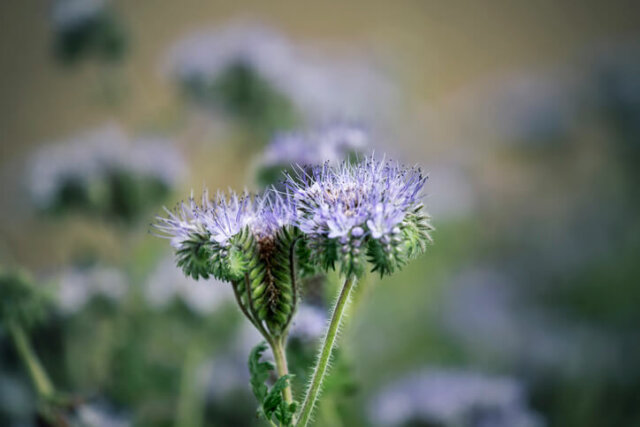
<point x="372" y="207"/>
<point x="243" y="239"/>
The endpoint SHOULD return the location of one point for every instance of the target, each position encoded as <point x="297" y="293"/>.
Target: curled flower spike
<point x="243" y="239"/>
<point x="370" y="208"/>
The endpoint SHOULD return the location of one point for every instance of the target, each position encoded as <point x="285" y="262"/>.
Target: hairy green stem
<point x="325" y="354"/>
<point x="38" y="375"/>
<point x="281" y="366"/>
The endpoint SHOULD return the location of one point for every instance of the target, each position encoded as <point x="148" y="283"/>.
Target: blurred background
<point x="526" y="115"/>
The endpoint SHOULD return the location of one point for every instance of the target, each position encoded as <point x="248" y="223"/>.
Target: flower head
<point x="374" y="202"/>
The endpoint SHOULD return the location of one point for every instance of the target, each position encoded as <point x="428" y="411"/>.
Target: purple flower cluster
<point x="343" y="212"/>
<point x="354" y="202"/>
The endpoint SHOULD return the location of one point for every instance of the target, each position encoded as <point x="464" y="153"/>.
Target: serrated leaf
<point x="274" y="398"/>
<point x="259" y="371"/>
<point x="285" y="412"/>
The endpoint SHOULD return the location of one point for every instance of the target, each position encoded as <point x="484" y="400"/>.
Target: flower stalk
<point x="282" y="368"/>
<point x="325" y="353"/>
<point x="41" y="382"/>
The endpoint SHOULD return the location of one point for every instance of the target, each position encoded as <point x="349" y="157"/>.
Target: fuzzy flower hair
<point x="371" y="207"/>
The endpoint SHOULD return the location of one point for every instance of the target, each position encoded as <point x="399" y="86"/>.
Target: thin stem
<point x="38" y="375"/>
<point x="281" y="366"/>
<point x="325" y="354"/>
<point x="236" y="293"/>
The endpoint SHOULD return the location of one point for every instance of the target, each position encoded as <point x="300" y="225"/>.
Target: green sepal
<point x="352" y="261"/>
<point x="325" y="252"/>
<point x="195" y="257"/>
<point x="416" y="231"/>
<point x="386" y="259"/>
<point x="305" y="264"/>
<point x="409" y="240"/>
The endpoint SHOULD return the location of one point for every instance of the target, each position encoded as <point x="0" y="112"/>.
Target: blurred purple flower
<point x="331" y="144"/>
<point x="447" y="397"/>
<point x="484" y="311"/>
<point x="321" y="88"/>
<point x="309" y="323"/>
<point x="89" y="157"/>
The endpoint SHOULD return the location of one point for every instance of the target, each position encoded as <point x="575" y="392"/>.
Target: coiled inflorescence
<point x="243" y="239"/>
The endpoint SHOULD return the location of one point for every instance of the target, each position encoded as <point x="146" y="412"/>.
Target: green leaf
<point x="285" y="412"/>
<point x="272" y="403"/>
<point x="259" y="371"/>
<point x="274" y="399"/>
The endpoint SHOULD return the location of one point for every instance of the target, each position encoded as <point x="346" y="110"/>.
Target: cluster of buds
<point x="326" y="216"/>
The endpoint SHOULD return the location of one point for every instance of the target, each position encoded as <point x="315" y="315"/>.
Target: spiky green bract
<point x="324" y="252"/>
<point x="405" y="242"/>
<point x="272" y="403"/>
<point x="194" y="257"/>
<point x="306" y="265"/>
<point x="237" y="259"/>
<point x="22" y="302"/>
<point x="416" y="230"/>
<point x="270" y="279"/>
